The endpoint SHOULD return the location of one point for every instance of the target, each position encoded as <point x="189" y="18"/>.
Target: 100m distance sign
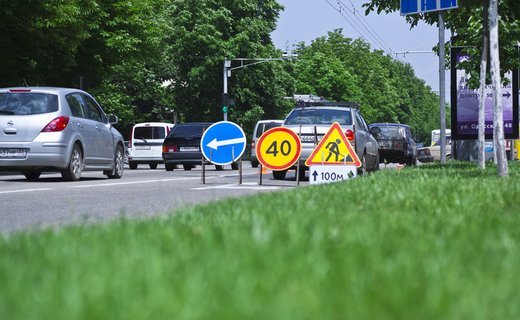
<point x="278" y="148"/>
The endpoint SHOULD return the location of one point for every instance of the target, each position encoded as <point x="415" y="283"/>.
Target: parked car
<point x="182" y="146"/>
<point x="435" y="148"/>
<point x="424" y="155"/>
<point x="57" y="129"/>
<point x="145" y="144"/>
<point x="396" y="143"/>
<point x="261" y="127"/>
<point x="311" y="120"/>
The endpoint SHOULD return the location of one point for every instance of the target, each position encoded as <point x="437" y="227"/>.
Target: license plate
<point x="142" y="147"/>
<point x="189" y="148"/>
<point x="307" y="138"/>
<point x="13" y="153"/>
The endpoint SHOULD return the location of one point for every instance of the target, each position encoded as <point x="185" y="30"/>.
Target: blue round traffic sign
<point x="223" y="143"/>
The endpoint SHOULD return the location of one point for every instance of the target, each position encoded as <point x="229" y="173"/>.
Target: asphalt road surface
<point x="51" y="202"/>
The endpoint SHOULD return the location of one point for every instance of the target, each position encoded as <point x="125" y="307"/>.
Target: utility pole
<point x="442" y="85"/>
<point x="225" y="96"/>
<point x="243" y="64"/>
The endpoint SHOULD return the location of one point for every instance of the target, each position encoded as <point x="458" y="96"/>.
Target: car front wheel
<point x="119" y="164"/>
<point x="363" y="169"/>
<point x="279" y="175"/>
<point x="73" y="170"/>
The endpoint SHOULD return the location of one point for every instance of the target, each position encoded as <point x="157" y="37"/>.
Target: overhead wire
<point x="364" y="22"/>
<point x="365" y="33"/>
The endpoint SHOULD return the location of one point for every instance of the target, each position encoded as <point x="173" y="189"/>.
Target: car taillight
<point x="350" y="134"/>
<point x="252" y="144"/>
<point x="19" y="90"/>
<point x="169" y="148"/>
<point x="56" y="125"/>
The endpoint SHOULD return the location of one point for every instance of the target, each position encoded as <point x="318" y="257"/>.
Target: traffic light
<point x="225" y="100"/>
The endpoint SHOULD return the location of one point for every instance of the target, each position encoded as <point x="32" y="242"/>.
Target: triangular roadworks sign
<point x="334" y="148"/>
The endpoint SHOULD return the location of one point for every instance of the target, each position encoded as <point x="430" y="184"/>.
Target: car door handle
<point x="98" y="128"/>
<point x="80" y="125"/>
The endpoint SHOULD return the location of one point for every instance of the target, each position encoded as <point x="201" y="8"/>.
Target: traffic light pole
<point x="227" y="66"/>
<point x="227" y="70"/>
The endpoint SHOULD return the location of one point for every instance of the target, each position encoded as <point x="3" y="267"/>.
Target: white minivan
<point x="261" y="127"/>
<point x="145" y="144"/>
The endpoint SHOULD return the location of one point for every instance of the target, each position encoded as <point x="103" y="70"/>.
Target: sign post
<point x="424" y="6"/>
<point x="333" y="159"/>
<point x="223" y="143"/>
<point x="278" y="149"/>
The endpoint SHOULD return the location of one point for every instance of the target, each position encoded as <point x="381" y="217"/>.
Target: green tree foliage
<point x="40" y="40"/>
<point x="466" y="24"/>
<point x="125" y="50"/>
<point x="340" y="68"/>
<point x="203" y="34"/>
<point x="114" y="46"/>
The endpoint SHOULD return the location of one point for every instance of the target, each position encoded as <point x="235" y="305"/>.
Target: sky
<point x="306" y="20"/>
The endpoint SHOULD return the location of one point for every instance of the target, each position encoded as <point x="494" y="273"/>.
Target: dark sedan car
<point x="182" y="146"/>
<point x="396" y="143"/>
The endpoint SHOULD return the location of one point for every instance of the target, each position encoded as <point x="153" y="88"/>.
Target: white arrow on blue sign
<point x="223" y="143"/>
<point x="421" y="6"/>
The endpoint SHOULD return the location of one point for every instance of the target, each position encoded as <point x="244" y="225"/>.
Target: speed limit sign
<point x="278" y="148"/>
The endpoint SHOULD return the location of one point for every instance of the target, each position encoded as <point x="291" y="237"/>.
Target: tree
<point x="339" y="68"/>
<point x="203" y="34"/>
<point x="498" y="121"/>
<point x="468" y="27"/>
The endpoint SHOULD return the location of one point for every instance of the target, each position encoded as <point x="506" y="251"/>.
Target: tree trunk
<point x="496" y="83"/>
<point x="482" y="100"/>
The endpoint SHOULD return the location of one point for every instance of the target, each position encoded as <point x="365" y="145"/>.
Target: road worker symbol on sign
<point x="334" y="148"/>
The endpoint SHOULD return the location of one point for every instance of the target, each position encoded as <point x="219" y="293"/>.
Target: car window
<point x="92" y="111"/>
<point x="318" y="116"/>
<point x="150" y="132"/>
<point x="74" y="101"/>
<point x="361" y="122"/>
<point x="28" y="103"/>
<point x="184" y="131"/>
<point x="389" y="132"/>
<point x="263" y="127"/>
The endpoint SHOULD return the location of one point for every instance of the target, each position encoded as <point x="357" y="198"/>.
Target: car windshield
<point x="319" y="116"/>
<point x="263" y="127"/>
<point x="149" y="132"/>
<point x="389" y="132"/>
<point x="187" y="131"/>
<point x="27" y="103"/>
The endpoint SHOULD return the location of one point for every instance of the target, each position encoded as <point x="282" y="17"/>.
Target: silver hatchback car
<point x="57" y="129"/>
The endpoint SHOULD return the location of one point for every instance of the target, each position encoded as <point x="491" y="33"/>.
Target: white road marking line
<point x="134" y="182"/>
<point x="26" y="190"/>
<point x="239" y="187"/>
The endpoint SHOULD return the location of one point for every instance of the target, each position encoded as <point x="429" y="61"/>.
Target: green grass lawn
<point x="424" y="243"/>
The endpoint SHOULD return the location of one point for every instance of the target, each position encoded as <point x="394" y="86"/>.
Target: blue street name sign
<point x="422" y="6"/>
<point x="223" y="143"/>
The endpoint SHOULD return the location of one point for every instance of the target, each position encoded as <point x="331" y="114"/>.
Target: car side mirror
<point x="375" y="130"/>
<point x="112" y="119"/>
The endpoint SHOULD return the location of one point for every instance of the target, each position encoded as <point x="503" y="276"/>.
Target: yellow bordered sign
<point x="278" y="148"/>
<point x="334" y="148"/>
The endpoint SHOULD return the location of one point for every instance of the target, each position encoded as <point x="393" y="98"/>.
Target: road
<point x="51" y="202"/>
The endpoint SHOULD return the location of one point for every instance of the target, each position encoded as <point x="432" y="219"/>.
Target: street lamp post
<point x="243" y="64"/>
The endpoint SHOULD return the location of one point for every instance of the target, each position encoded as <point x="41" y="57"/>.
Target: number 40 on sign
<point x="278" y="148"/>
